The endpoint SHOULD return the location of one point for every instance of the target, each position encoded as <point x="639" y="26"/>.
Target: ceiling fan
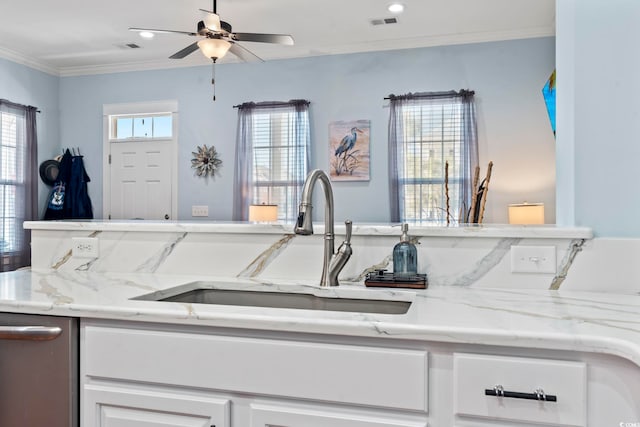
<point x="217" y="38"/>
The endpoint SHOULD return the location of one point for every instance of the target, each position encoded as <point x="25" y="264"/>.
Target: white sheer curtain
<point x="425" y="131"/>
<point x="18" y="182"/>
<point x="272" y="156"/>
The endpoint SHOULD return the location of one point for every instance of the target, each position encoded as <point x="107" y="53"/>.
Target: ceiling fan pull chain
<point x="213" y="77"/>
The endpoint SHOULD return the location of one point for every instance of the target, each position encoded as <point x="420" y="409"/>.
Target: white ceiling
<point x="72" y="37"/>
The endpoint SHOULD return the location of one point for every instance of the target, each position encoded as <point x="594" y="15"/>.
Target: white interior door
<point x="140" y="147"/>
<point x="141" y="180"/>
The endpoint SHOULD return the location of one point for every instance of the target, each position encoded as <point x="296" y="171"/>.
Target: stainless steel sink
<point x="253" y="298"/>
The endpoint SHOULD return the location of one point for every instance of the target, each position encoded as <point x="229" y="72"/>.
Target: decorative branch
<point x="474" y="196"/>
<point x="446" y="189"/>
<point x="484" y="193"/>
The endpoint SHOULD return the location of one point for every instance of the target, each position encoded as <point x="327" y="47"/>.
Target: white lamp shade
<point x="526" y="213"/>
<point x="263" y="213"/>
<point x="212" y="22"/>
<point x="214" y="48"/>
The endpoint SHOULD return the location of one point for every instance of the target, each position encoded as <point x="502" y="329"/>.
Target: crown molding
<point x="442" y="40"/>
<point x="124" y="67"/>
<point x="21" y="59"/>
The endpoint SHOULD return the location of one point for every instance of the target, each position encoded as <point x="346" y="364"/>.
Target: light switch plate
<point x="199" y="210"/>
<point x="85" y="247"/>
<point x="533" y="259"/>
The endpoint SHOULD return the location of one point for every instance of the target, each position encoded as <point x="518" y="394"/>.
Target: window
<point x="140" y="127"/>
<point x="273" y="151"/>
<point x="427" y="131"/>
<point x="9" y="181"/>
<point x="18" y="184"/>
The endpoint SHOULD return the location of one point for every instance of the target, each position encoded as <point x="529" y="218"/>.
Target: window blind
<point x="18" y="182"/>
<point x="272" y="156"/>
<point x="10" y="181"/>
<point x="427" y="131"/>
<point x="277" y="154"/>
<point x="432" y="137"/>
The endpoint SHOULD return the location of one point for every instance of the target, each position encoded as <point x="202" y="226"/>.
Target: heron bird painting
<point x="349" y="150"/>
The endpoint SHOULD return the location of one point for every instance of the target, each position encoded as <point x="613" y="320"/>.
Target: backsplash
<point x="463" y="257"/>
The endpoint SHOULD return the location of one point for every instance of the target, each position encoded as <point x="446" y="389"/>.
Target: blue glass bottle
<point x="405" y="256"/>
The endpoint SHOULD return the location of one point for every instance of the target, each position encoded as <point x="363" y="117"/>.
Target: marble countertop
<point x="557" y="320"/>
<point x="364" y="229"/>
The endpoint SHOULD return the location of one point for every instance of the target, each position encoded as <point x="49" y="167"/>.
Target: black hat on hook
<point x="49" y="170"/>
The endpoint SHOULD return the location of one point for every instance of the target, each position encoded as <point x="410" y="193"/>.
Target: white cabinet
<point x="119" y="406"/>
<point x="146" y="375"/>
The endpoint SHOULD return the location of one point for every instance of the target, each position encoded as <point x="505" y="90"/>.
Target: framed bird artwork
<point x="349" y="150"/>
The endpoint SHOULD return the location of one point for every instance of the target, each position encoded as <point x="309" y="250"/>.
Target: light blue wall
<point x="599" y="165"/>
<point x="565" y="115"/>
<point x="24" y="85"/>
<point x="507" y="77"/>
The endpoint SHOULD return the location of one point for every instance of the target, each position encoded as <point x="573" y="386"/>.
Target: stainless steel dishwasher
<point x="38" y="371"/>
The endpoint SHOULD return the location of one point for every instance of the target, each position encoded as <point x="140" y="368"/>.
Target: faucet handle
<point x="341" y="256"/>
<point x="348" y="225"/>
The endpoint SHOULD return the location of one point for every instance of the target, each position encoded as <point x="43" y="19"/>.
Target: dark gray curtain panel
<point x="18" y="183"/>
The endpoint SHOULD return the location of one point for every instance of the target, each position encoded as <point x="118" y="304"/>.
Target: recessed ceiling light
<point x="396" y="8"/>
<point x="146" y="34"/>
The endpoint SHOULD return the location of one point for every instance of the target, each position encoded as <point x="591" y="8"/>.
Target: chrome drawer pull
<point x="538" y="394"/>
<point x="29" y="333"/>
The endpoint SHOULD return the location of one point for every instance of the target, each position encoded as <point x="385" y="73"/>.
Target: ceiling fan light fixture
<point x="146" y="34"/>
<point x="214" y="48"/>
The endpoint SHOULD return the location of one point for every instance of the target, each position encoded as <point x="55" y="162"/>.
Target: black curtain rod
<point x="434" y="94"/>
<point x="273" y="103"/>
<point x="15" y="105"/>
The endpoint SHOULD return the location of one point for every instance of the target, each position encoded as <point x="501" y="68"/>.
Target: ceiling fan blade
<point x="244" y="53"/>
<point x="186" y="51"/>
<point x="153" y="30"/>
<point x="263" y="38"/>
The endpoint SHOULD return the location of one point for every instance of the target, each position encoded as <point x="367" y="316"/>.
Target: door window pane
<point x="142" y="127"/>
<point x="124" y="128"/>
<point x="162" y="127"/>
<point x="147" y="126"/>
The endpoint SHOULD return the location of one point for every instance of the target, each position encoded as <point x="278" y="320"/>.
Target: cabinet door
<point x="283" y="416"/>
<point x="123" y="407"/>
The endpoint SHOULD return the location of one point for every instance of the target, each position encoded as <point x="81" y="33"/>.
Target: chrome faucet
<point x="333" y="262"/>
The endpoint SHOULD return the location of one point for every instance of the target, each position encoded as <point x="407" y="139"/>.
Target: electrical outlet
<point x="533" y="259"/>
<point x="199" y="210"/>
<point x="85" y="247"/>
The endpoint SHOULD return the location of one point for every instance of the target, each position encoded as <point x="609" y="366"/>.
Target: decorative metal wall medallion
<point x="205" y="161"/>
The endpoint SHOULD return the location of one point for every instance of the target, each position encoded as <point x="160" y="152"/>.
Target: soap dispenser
<point x="405" y="255"/>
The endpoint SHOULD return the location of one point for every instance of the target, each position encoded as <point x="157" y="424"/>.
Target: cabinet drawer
<point x="383" y="377"/>
<point x="283" y="416"/>
<point x="519" y="378"/>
